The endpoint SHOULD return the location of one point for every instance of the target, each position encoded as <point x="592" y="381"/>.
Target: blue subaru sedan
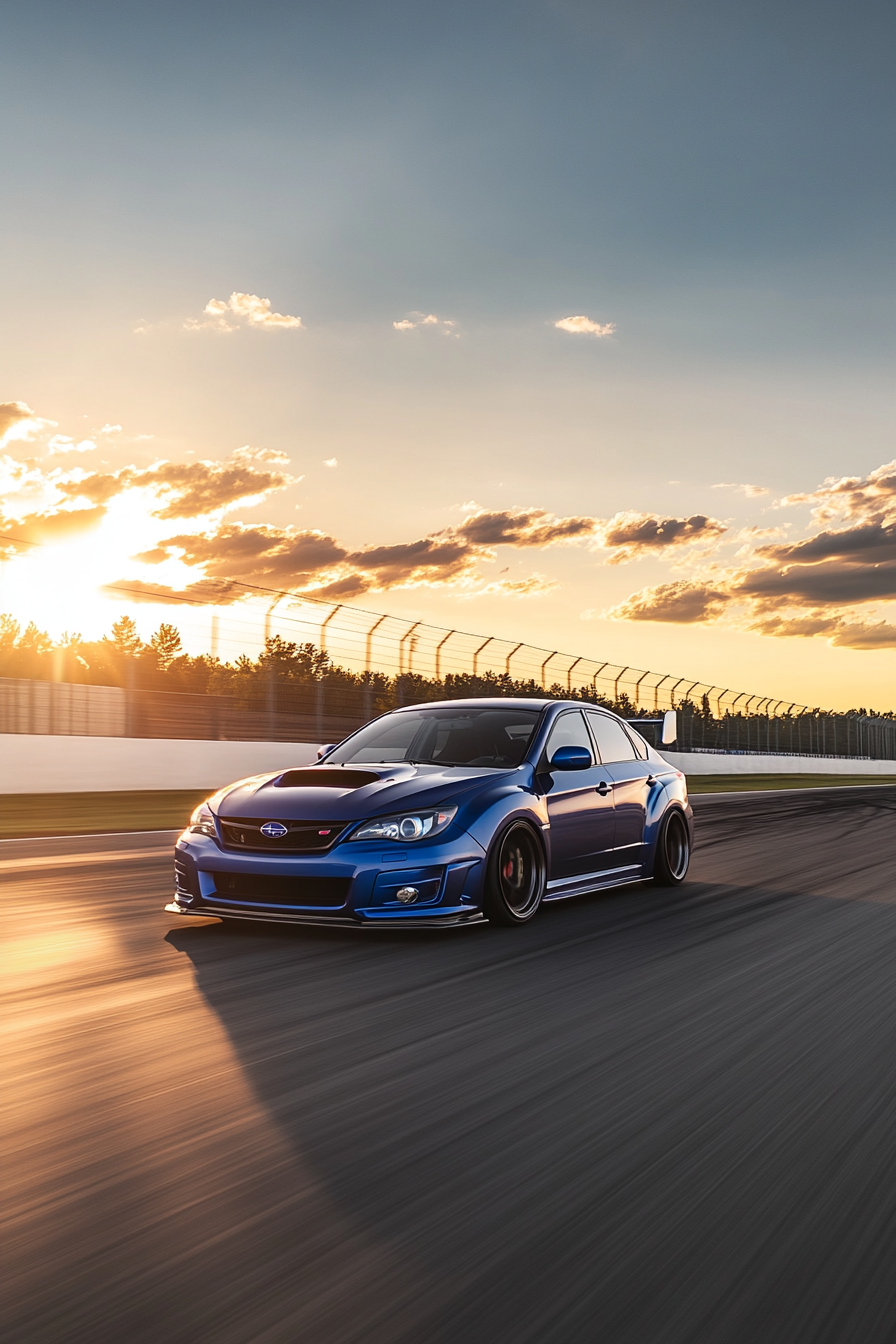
<point x="441" y="814"/>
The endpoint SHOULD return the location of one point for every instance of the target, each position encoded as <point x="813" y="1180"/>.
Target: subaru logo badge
<point x="274" y="830"/>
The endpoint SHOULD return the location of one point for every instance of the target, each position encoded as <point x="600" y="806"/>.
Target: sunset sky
<point x="567" y="322"/>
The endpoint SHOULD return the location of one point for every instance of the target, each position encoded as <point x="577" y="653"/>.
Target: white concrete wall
<point x="44" y="764"/>
<point x="712" y="763"/>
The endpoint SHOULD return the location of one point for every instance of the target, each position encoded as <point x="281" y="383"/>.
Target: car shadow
<point x="504" y="1107"/>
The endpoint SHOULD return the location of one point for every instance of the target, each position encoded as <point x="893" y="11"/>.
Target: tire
<point x="515" y="877"/>
<point x="673" y="850"/>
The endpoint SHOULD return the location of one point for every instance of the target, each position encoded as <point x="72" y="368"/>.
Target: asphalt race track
<point x="645" y="1117"/>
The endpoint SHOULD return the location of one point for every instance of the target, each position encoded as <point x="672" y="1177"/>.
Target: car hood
<point x="348" y="793"/>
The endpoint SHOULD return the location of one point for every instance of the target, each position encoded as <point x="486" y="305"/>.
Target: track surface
<point x="642" y="1118"/>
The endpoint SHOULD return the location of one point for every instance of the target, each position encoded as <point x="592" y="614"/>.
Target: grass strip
<point x="748" y="783"/>
<point x="25" y="814"/>
<point x="33" y="814"/>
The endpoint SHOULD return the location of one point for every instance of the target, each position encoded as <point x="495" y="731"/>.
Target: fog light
<point x="406" y="895"/>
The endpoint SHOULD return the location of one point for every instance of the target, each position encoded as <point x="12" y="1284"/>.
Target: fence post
<point x="595" y="677"/>
<point x="399" y="681"/>
<point x="271" y="689"/>
<point x="569" y="672"/>
<point x="368" y="689"/>
<point x="477" y="653"/>
<point x="544" y="665"/>
<point x="656" y="691"/>
<point x="516" y="648"/>
<point x="267" y="617"/>
<point x="323" y="627"/>
<point x="130" y="716"/>
<point x="672" y="692"/>
<point x="441" y="644"/>
<point x="638" y="687"/>
<point x="616" y="685"/>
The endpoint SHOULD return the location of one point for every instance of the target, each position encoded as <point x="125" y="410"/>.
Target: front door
<point x="580" y="806"/>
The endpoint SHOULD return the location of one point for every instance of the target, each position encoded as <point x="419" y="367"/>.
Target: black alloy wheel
<point x="673" y="851"/>
<point x="516" y="876"/>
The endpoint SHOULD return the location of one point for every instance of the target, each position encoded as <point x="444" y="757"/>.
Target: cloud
<point x="800" y="589"/>
<point x="796" y="627"/>
<point x="533" y="586"/>
<point x="879" y="635"/>
<point x="583" y="326"/>
<point x="246" y="308"/>
<point x="61" y="443"/>
<point x="871" y="542"/>
<point x="44" y="528"/>
<point x="311" y="560"/>
<point x="216" y="591"/>
<point x="316" y="562"/>
<point x="524" y="527"/>
<point x="630" y="536"/>
<point x="330" y="462"/>
<point x="261" y="554"/>
<point x="19" y="423"/>
<point x="113" y="429"/>
<point x="410" y="323"/>
<point x="189" y="489"/>
<point x="835" y="584"/>
<point x="683" y="603"/>
<point x="435" y="559"/>
<point x="195" y="489"/>
<point x="870" y="498"/>
<point x="751" y="491"/>
<point x="843" y="634"/>
<point x="843" y="567"/>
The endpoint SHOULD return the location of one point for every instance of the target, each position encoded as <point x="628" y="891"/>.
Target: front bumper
<point x="352" y="885"/>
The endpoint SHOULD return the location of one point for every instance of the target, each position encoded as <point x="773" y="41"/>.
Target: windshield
<point x="494" y="738"/>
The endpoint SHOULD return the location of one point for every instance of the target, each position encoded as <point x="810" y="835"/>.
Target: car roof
<point x="490" y="702"/>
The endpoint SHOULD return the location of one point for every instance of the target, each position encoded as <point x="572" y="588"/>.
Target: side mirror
<point x="322" y="751"/>
<point x="670" y="727"/>
<point x="571" y="758"/>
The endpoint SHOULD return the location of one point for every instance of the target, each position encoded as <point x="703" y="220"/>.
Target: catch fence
<point x="281" y="668"/>
<point x="326" y="709"/>
<point x="416" y="654"/>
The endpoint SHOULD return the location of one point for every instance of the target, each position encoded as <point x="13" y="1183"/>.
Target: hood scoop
<point x="318" y="777"/>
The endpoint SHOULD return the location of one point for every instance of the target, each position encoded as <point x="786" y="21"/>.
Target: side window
<point x="640" y="744"/>
<point x="613" y="742"/>
<point x="569" y="731"/>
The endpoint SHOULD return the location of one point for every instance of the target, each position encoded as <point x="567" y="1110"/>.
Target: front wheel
<point x="673" y="851"/>
<point x="516" y="876"/>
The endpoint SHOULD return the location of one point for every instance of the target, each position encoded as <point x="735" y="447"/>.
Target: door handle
<point x="603" y="788"/>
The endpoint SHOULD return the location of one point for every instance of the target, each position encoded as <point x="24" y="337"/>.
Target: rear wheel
<point x="673" y="851"/>
<point x="516" y="876"/>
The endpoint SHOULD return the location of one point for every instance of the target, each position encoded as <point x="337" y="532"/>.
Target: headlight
<point x="202" y="822"/>
<point x="407" y="826"/>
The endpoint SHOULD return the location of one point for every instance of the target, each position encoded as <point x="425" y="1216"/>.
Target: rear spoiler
<point x="669" y="723"/>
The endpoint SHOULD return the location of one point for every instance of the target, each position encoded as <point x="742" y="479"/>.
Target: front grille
<point x="259" y="889"/>
<point x="304" y="837"/>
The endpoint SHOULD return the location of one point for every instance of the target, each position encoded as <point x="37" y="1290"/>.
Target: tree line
<point x="284" y="675"/>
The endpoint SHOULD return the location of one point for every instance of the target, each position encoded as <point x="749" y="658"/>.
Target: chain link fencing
<point x="276" y="667"/>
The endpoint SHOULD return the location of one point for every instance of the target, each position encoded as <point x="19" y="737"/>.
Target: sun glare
<point x="60" y="585"/>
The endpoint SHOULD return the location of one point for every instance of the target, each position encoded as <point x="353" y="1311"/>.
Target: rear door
<point x="632" y="781"/>
<point x="580" y="805"/>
